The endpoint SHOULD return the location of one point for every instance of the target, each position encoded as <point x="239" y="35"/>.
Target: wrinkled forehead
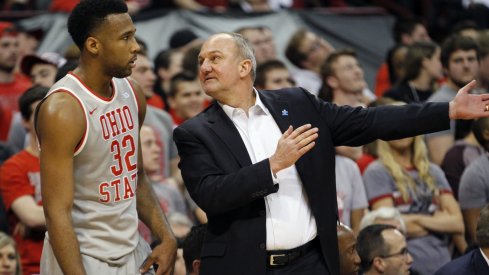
<point x="218" y="43"/>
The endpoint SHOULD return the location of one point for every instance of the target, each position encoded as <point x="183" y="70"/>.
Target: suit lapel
<point x="224" y="128"/>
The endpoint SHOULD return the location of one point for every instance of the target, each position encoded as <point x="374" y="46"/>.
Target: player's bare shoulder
<point x="60" y="115"/>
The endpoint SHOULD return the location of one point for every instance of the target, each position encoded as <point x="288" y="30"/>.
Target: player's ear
<point x="92" y="45"/>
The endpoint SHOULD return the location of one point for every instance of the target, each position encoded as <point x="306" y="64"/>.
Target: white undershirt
<point x="289" y="220"/>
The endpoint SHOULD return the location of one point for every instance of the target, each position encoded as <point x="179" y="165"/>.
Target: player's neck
<point x="93" y="79"/>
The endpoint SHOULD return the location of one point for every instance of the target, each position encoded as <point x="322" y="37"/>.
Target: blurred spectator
<point x="192" y="247"/>
<point x="422" y="67"/>
<point x="474" y="184"/>
<point x="307" y="51"/>
<point x="42" y="69"/>
<point x="180" y="226"/>
<point x="29" y="40"/>
<point x="261" y="39"/>
<point x="474" y="262"/>
<point x="467" y="28"/>
<point x="343" y="84"/>
<point x="478" y="11"/>
<point x="384" y="215"/>
<point x="190" y="61"/>
<point x="347" y="249"/>
<point x="12" y="85"/>
<point x="186" y="97"/>
<point x="404" y="178"/>
<point x="404" y="32"/>
<point x="9" y="256"/>
<point x="273" y="75"/>
<point x="20" y="186"/>
<point x="484" y="60"/>
<point x="169" y="197"/>
<point x="350" y="193"/>
<point x="460" y="60"/>
<point x="395" y="63"/>
<point x="145" y="76"/>
<point x="382" y="249"/>
<point x="463" y="152"/>
<point x="203" y="5"/>
<point x="167" y="64"/>
<point x="183" y="39"/>
<point x="343" y="79"/>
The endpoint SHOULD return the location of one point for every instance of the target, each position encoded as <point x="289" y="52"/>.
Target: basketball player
<point x="92" y="178"/>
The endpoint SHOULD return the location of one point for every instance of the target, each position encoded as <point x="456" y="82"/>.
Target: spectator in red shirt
<point x="20" y="187"/>
<point x="12" y="85"/>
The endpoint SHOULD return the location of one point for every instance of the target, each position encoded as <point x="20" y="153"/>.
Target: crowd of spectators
<point x="410" y="204"/>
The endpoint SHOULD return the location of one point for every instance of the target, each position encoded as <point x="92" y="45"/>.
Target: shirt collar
<point x="484" y="255"/>
<point x="231" y="111"/>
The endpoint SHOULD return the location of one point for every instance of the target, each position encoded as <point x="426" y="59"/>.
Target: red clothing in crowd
<point x="63" y="5"/>
<point x="382" y="81"/>
<point x="9" y="96"/>
<point x="156" y="101"/>
<point x="20" y="176"/>
<point x="177" y="120"/>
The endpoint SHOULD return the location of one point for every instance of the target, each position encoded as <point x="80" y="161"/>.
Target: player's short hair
<point x="88" y="15"/>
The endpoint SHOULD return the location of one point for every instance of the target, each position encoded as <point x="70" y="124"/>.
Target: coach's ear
<point x="92" y="45"/>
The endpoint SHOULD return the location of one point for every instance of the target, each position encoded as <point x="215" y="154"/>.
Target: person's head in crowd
<point x="482" y="230"/>
<point x="273" y="75"/>
<point x="395" y="63"/>
<point x="182" y="38"/>
<point x="383" y="250"/>
<point x="384" y="215"/>
<point x="423" y="62"/>
<point x="460" y="60"/>
<point x="408" y="31"/>
<point x="466" y="28"/>
<point x="143" y="73"/>
<point x="143" y="46"/>
<point x="151" y="150"/>
<point x="167" y="64"/>
<point x="28" y="102"/>
<point x="72" y="53"/>
<point x="306" y="50"/>
<point x="186" y="97"/>
<point x="261" y="38"/>
<point x="343" y="79"/>
<point x="192" y="246"/>
<point x="9" y="256"/>
<point x="9" y="48"/>
<point x="190" y="61"/>
<point x="69" y="66"/>
<point x="28" y="39"/>
<point x="480" y="128"/>
<point x="42" y="69"/>
<point x="483" y="41"/>
<point x="347" y="249"/>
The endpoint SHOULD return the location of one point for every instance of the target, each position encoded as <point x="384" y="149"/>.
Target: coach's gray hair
<point x="245" y="50"/>
<point x="385" y="213"/>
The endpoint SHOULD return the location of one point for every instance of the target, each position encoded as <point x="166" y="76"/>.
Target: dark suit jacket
<point x="220" y="177"/>
<point x="472" y="263"/>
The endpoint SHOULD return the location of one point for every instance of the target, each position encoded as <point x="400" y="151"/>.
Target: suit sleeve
<point x="357" y="126"/>
<point x="217" y="191"/>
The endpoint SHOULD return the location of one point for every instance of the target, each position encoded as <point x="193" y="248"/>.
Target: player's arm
<point x="149" y="210"/>
<point x="60" y="127"/>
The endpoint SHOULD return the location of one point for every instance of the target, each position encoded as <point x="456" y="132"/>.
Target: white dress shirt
<point x="485" y="257"/>
<point x="289" y="221"/>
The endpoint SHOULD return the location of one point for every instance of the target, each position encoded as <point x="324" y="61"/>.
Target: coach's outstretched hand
<point x="469" y="106"/>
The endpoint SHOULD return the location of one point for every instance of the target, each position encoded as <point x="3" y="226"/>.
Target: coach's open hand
<point x="468" y="106"/>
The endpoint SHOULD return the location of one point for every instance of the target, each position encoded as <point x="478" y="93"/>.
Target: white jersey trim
<point x="91" y="94"/>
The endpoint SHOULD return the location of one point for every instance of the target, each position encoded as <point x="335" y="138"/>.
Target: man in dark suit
<point x="476" y="261"/>
<point x="261" y="163"/>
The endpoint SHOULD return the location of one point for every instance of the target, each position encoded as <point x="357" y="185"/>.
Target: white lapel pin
<point x="285" y="112"/>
